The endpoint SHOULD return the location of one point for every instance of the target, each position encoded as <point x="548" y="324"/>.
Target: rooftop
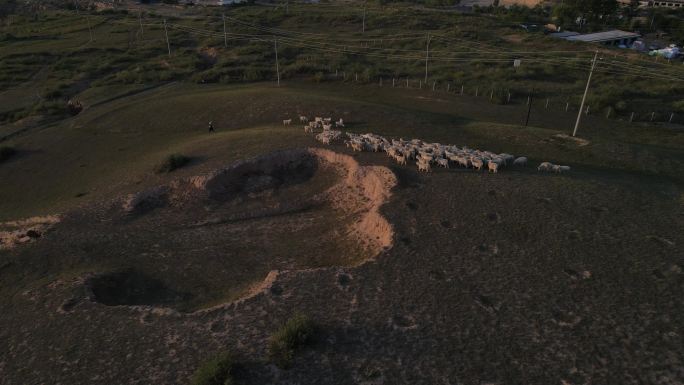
<point x="604" y="36"/>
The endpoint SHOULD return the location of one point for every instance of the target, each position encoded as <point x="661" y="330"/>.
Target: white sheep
<point x="303" y="119"/>
<point x="493" y="167"/>
<point x="545" y="166"/>
<point x="477" y="163"/>
<point x="423" y="166"/>
<point x="287" y="122"/>
<point x="443" y="162"/>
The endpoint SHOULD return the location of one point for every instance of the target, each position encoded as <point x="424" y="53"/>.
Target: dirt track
<point x="502" y="279"/>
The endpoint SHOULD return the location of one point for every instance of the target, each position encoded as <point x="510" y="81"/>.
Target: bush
<point x="296" y="332"/>
<point x="216" y="371"/>
<point x="172" y="162"/>
<point x="6" y="152"/>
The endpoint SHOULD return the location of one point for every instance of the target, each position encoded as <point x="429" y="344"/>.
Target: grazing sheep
<point x="507" y="158"/>
<point x="493" y="167"/>
<point x="287" y="122"/>
<point x="443" y="162"/>
<point x="303" y="119"/>
<point x="423" y="166"/>
<point x="477" y="163"/>
<point x="400" y="159"/>
<point x="545" y="166"/>
<point x="318" y="120"/>
<point x="522" y="161"/>
<point x="558" y="169"/>
<point x="327" y="127"/>
<point x="356" y="146"/>
<point x="465" y="162"/>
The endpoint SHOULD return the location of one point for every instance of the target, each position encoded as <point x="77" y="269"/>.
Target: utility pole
<point x="90" y="29"/>
<point x="225" y="37"/>
<point x="427" y="56"/>
<point x="586" y="90"/>
<point x="166" y="32"/>
<point x="142" y="32"/>
<point x="275" y="41"/>
<point x="529" y="108"/>
<point x="363" y="26"/>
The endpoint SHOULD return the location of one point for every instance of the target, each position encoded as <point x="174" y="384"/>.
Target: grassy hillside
<point x="473" y="51"/>
<point x="114" y="146"/>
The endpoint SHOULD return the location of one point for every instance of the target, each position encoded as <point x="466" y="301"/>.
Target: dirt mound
<point x="363" y="191"/>
<point x="287" y="211"/>
<point x="360" y="191"/>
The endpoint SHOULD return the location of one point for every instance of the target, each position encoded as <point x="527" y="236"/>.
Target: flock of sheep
<point x="424" y="154"/>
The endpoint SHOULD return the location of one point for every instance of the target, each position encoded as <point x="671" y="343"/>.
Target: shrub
<point x="6" y="152"/>
<point x="172" y="162"/>
<point x="283" y="344"/>
<point x="216" y="371"/>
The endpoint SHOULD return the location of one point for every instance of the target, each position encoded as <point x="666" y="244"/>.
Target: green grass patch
<point x="171" y="163"/>
<point x="283" y="344"/>
<point x="6" y="152"/>
<point x="216" y="371"/>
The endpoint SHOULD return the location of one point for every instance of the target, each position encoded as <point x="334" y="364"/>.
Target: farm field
<point x="156" y="245"/>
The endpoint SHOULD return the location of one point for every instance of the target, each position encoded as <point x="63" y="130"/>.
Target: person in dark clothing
<point x="211" y="127"/>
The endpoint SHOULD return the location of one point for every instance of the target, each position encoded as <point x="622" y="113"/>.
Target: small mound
<point x="130" y="287"/>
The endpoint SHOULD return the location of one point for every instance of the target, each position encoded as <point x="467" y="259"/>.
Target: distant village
<point x="654" y="44"/>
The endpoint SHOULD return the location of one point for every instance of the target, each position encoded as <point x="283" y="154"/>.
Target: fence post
<point x="567" y="106"/>
<point x="671" y="117"/>
<point x="587" y="112"/>
<point x="448" y="87"/>
<point x="608" y="113"/>
<point x="653" y="116"/>
<point x="508" y="100"/>
<point x="356" y="76"/>
<point x="393" y="82"/>
<point x="380" y="81"/>
<point x="462" y="89"/>
<point x="631" y="117"/>
<point x="420" y="84"/>
<point x="477" y="91"/>
<point x="547" y="104"/>
<point x="434" y="83"/>
<point x="491" y="95"/>
<point x="407" y="82"/>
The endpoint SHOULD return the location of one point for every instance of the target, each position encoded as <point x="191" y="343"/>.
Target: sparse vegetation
<point x="171" y="163"/>
<point x="6" y="152"/>
<point x="283" y="344"/>
<point x="216" y="371"/>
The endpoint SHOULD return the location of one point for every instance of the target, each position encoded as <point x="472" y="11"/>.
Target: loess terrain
<point x="449" y="277"/>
